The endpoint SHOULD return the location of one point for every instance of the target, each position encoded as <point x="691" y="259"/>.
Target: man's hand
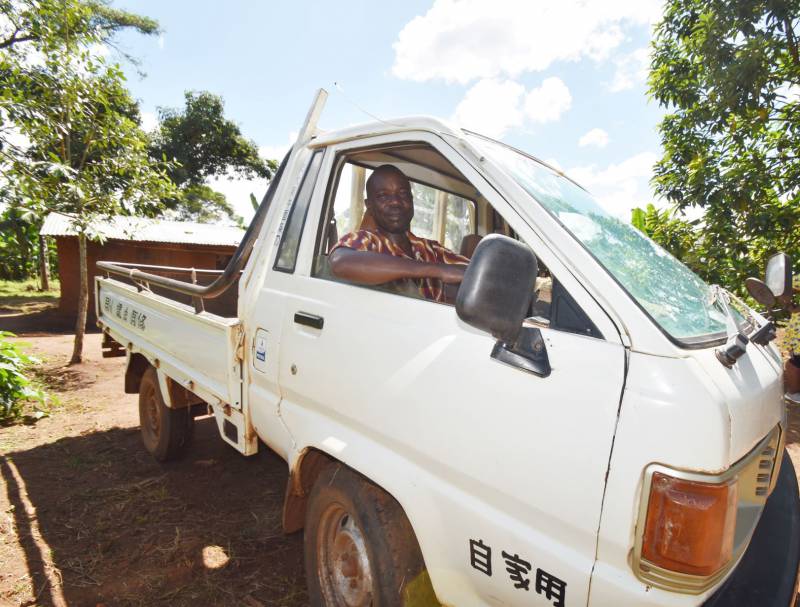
<point x="450" y="274"/>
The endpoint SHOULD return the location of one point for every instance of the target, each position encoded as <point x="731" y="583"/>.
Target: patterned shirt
<point x="791" y="339"/>
<point x="430" y="251"/>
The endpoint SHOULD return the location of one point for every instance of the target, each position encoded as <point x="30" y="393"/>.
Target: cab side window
<point x="290" y="239"/>
<point x="447" y="209"/>
<point x="438" y="214"/>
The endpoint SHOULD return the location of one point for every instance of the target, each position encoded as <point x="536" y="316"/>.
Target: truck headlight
<point x="693" y="527"/>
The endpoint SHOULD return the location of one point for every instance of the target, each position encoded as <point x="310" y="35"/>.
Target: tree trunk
<point x="83" y="303"/>
<point x="44" y="269"/>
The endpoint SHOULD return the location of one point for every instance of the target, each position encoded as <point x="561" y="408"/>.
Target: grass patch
<point x="24" y="296"/>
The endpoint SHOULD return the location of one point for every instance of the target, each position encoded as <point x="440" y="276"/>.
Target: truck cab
<point x="560" y="431"/>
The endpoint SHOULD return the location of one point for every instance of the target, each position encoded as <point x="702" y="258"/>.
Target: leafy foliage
<point x="19" y="233"/>
<point x="728" y="72"/>
<point x="87" y="156"/>
<point x="201" y="143"/>
<point x="38" y="21"/>
<point x="84" y="153"/>
<point x="15" y="387"/>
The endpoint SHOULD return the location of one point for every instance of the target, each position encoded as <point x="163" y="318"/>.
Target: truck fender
<point x="302" y="477"/>
<point x="175" y="395"/>
<point x="307" y="468"/>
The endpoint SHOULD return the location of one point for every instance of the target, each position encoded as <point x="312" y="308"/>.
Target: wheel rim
<point x="151" y="420"/>
<point x="342" y="559"/>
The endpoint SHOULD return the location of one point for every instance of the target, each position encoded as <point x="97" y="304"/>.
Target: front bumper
<point x="767" y="574"/>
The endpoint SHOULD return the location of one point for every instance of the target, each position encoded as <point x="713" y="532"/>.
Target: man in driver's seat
<point x="388" y="251"/>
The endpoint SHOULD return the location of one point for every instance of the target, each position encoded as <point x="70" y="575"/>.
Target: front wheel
<point x="360" y="549"/>
<point x="165" y="432"/>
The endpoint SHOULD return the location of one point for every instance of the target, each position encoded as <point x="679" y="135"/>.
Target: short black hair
<point x="384" y="168"/>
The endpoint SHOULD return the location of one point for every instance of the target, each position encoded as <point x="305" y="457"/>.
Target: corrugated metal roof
<point x="140" y="229"/>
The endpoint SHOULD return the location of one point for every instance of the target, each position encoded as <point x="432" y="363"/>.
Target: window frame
<point x="337" y="167"/>
<point x="318" y="155"/>
<point x="518" y="221"/>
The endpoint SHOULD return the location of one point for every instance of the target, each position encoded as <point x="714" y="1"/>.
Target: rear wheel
<point x="165" y="432"/>
<point x="360" y="549"/>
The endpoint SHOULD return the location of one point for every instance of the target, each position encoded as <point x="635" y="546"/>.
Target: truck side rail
<point x="228" y="275"/>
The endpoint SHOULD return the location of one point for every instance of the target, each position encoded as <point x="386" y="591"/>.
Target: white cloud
<point x="547" y="102"/>
<point x="620" y="187"/>
<point x="149" y="121"/>
<point x="465" y="40"/>
<point x="491" y="107"/>
<point x="161" y="41"/>
<point x="597" y="137"/>
<point x="631" y="70"/>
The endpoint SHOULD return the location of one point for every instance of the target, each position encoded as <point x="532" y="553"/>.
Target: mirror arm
<point x="536" y="322"/>
<point x="733" y="350"/>
<point x="527" y="353"/>
<point x="765" y="334"/>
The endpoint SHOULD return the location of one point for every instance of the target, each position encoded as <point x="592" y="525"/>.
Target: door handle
<point x="309" y="320"/>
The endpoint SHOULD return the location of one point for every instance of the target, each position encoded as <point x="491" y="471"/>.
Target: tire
<point x="165" y="432"/>
<point x="360" y="549"/>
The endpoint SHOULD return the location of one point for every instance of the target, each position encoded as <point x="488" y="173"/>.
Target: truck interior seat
<point x="367" y="221"/>
<point x="468" y="244"/>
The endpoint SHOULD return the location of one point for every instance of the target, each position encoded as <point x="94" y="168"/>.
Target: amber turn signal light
<point x="690" y="525"/>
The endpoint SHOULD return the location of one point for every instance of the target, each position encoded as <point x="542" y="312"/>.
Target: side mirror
<point x="495" y="296"/>
<point x="779" y="278"/>
<point x="759" y="291"/>
<point x="497" y="289"/>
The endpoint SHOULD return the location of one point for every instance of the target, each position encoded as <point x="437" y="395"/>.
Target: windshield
<point x="675" y="297"/>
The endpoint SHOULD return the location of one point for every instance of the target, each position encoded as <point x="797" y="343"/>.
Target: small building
<point x="150" y="242"/>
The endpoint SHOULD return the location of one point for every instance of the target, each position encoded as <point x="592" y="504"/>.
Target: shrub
<point x="15" y="387"/>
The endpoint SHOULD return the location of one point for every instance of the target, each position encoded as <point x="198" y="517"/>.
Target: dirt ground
<point x="87" y="518"/>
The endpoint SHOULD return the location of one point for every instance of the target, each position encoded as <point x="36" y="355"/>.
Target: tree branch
<point x="790" y="39"/>
<point x="15" y="40"/>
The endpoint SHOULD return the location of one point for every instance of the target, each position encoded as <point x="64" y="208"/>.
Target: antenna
<point x="359" y="108"/>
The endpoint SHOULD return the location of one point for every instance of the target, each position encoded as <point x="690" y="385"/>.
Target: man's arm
<point x="367" y="268"/>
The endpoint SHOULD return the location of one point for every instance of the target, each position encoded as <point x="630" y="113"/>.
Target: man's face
<point x="391" y="202"/>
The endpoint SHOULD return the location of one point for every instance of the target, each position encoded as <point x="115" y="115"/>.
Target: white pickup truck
<point x="589" y="424"/>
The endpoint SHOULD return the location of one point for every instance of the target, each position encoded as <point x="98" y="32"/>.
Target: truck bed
<point x="196" y="350"/>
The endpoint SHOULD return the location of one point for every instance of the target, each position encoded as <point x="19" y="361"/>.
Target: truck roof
<point x="383" y="127"/>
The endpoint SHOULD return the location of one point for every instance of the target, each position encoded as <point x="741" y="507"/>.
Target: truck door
<point x="265" y="312"/>
<point x="500" y="472"/>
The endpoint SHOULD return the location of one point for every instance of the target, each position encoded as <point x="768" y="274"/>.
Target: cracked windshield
<point x="674" y="296"/>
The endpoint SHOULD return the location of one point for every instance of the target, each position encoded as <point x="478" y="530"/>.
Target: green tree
<point x="37" y="21"/>
<point x="19" y="230"/>
<point x="202" y="143"/>
<point x="29" y="27"/>
<point x="87" y="156"/>
<point x="728" y="74"/>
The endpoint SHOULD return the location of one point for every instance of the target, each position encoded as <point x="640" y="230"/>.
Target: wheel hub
<point x="343" y="560"/>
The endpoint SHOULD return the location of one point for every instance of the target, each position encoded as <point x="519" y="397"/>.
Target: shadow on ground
<point x="124" y="530"/>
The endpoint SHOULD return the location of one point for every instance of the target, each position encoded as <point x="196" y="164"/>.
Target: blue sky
<point x="564" y="81"/>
